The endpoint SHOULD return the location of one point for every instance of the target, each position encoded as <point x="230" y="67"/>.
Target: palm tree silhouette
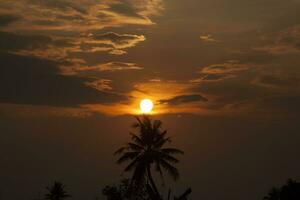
<point x="147" y="148"/>
<point x="57" y="192"/>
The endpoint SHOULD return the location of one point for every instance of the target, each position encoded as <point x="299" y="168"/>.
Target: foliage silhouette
<point x="121" y="192"/>
<point x="57" y="192"/>
<point x="147" y="149"/>
<point x="289" y="191"/>
<point x="184" y="195"/>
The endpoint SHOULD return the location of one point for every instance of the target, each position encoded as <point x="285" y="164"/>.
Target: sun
<point x="146" y="105"/>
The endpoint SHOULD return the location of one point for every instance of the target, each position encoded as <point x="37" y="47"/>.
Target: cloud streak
<point x="65" y="15"/>
<point x="112" y="42"/>
<point x="182" y="99"/>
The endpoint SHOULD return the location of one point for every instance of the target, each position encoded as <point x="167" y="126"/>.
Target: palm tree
<point x="57" y="192"/>
<point x="147" y="149"/>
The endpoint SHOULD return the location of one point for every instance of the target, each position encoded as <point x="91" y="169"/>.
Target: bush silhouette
<point x="289" y="191"/>
<point x="57" y="192"/>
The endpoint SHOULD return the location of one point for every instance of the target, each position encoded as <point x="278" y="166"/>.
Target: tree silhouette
<point x="147" y="149"/>
<point x="121" y="192"/>
<point x="56" y="192"/>
<point x="290" y="191"/>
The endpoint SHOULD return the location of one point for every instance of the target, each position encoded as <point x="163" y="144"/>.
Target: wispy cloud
<point x="183" y="99"/>
<point x="112" y="42"/>
<point x="207" y="38"/>
<point x="216" y="72"/>
<point x="79" y="66"/>
<point x="77" y="16"/>
<point x="100" y="84"/>
<point x="285" y="41"/>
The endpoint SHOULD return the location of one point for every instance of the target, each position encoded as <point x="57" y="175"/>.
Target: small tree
<point x="122" y="191"/>
<point x="56" y="192"/>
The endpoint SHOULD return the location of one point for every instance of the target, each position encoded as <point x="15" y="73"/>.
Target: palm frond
<point x="120" y="150"/>
<point x="135" y="125"/>
<point x="158" y="168"/>
<point x="172" y="151"/>
<point x="163" y="134"/>
<point x="139" y="173"/>
<point x="128" y="156"/>
<point x="139" y="122"/>
<point x="147" y="121"/>
<point x="131" y="165"/>
<point x="157" y="124"/>
<point x="136" y="139"/>
<point x="172" y="171"/>
<point x="135" y="147"/>
<point x="169" y="158"/>
<point x="161" y="142"/>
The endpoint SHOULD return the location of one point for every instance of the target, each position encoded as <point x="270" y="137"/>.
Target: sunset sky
<point x="224" y="76"/>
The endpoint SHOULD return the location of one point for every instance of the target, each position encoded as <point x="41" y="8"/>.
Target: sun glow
<point x="146" y="105"/>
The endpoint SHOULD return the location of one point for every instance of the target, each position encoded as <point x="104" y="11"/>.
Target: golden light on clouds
<point x="164" y="96"/>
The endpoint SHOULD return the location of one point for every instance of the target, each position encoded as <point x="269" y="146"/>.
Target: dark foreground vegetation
<point x="149" y="152"/>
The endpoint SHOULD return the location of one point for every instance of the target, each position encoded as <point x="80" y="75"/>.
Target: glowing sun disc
<point x="146" y="106"/>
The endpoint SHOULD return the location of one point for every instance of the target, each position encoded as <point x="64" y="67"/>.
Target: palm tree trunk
<point x="152" y="183"/>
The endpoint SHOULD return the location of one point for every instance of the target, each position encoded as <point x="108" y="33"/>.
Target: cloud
<point x="168" y="97"/>
<point x="118" y="66"/>
<point x="64" y="5"/>
<point x="101" y="84"/>
<point x="217" y="72"/>
<point x="138" y="8"/>
<point x="110" y="42"/>
<point x="14" y="42"/>
<point x="28" y="80"/>
<point x="242" y="86"/>
<point x="77" y="66"/>
<point x="286" y="41"/>
<point x="118" y="42"/>
<point x="211" y="77"/>
<point x="42" y="46"/>
<point x="6" y="19"/>
<point x="117" y="52"/>
<point x="148" y="8"/>
<point x="207" y="38"/>
<point x="83" y="37"/>
<point x="231" y="83"/>
<point x="59" y="48"/>
<point x="182" y="99"/>
<point x="228" y="67"/>
<point x="79" y="16"/>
